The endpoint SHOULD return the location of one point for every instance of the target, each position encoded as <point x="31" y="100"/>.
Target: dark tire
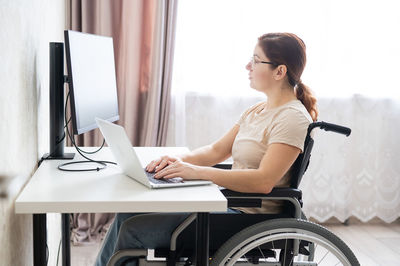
<point x="300" y="229"/>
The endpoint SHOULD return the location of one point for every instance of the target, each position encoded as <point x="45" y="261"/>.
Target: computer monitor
<point x="91" y="78"/>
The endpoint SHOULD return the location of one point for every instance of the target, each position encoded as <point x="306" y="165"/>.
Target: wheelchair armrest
<point x="238" y="199"/>
<point x="226" y="166"/>
<point x="276" y="192"/>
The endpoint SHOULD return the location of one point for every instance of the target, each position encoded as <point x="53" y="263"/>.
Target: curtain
<point x="355" y="176"/>
<point x="143" y="34"/>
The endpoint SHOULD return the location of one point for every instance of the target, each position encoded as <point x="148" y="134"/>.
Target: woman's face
<point x="260" y="74"/>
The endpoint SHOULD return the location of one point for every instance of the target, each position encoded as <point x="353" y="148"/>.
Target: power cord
<point x="103" y="164"/>
<point x="58" y="143"/>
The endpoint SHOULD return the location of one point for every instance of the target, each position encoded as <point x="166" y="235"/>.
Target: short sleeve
<point x="248" y="112"/>
<point x="290" y="128"/>
<point x="242" y="118"/>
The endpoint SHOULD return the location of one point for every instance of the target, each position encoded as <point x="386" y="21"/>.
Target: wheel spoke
<point x="291" y="261"/>
<point x="262" y="253"/>
<point x="312" y="249"/>
<point x="273" y="247"/>
<point x="284" y="254"/>
<point x="323" y="256"/>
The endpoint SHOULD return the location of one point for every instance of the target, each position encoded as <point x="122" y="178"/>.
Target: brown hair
<point x="289" y="50"/>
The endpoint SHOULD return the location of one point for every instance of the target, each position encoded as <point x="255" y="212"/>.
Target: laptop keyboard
<point x="151" y="178"/>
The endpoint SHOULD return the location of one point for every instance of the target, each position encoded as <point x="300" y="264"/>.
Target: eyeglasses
<point x="254" y="61"/>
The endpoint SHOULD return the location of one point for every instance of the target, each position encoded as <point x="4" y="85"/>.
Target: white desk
<point x="51" y="190"/>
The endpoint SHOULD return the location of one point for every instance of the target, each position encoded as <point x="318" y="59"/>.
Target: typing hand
<point x="160" y="163"/>
<point x="180" y="169"/>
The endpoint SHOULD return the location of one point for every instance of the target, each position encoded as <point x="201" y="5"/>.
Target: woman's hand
<point x="160" y="163"/>
<point x="180" y="169"/>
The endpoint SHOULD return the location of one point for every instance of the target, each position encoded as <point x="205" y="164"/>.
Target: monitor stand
<point x="64" y="156"/>
<point x="56" y="91"/>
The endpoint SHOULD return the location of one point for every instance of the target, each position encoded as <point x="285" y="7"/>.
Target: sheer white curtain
<point x="353" y="53"/>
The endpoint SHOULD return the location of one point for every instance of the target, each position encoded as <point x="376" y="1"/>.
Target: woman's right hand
<point x="160" y="163"/>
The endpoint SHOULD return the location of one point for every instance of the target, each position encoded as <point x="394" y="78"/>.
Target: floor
<point x="84" y="255"/>
<point x="373" y="243"/>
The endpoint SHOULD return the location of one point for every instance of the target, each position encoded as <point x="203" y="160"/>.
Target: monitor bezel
<point x="72" y="104"/>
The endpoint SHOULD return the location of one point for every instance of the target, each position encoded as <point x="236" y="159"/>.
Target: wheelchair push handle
<point x="330" y="127"/>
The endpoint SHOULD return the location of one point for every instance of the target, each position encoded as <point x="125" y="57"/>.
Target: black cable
<point x="64" y="132"/>
<point x="102" y="163"/>
<point x="58" y="143"/>
<point x="92" y="152"/>
<point x="71" y="138"/>
<point x="76" y="147"/>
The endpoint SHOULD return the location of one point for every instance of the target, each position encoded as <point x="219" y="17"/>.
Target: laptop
<point x="128" y="160"/>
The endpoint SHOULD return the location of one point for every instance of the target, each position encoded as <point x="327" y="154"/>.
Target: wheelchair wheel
<point x="276" y="242"/>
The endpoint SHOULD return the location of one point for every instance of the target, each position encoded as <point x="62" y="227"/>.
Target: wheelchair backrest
<point x="301" y="164"/>
<point x="303" y="160"/>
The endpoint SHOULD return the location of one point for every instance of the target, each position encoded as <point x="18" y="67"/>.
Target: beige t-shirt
<point x="260" y="127"/>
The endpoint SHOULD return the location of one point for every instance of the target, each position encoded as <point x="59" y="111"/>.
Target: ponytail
<point x="304" y="94"/>
<point x="289" y="50"/>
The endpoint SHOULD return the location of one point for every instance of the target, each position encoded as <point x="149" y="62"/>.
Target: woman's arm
<point x="215" y="153"/>
<point x="275" y="163"/>
<point x="205" y="156"/>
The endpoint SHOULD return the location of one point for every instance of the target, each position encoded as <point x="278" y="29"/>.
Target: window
<point x="352" y="46"/>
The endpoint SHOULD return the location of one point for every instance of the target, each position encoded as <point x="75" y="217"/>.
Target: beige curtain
<point x="143" y="32"/>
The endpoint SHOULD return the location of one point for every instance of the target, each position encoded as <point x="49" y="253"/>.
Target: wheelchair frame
<point x="236" y="199"/>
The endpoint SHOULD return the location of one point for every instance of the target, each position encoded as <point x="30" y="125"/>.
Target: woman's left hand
<point x="180" y="169"/>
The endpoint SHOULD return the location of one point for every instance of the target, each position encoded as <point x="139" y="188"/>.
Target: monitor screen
<point x="92" y="81"/>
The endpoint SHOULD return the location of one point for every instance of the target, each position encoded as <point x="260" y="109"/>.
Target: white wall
<point x="26" y="28"/>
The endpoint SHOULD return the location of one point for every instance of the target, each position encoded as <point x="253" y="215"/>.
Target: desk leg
<point x="202" y="236"/>
<point x="39" y="240"/>
<point x="66" y="249"/>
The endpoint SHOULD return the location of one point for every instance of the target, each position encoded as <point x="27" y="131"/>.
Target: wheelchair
<point x="282" y="239"/>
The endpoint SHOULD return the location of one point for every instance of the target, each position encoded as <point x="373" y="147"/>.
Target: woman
<point x="264" y="144"/>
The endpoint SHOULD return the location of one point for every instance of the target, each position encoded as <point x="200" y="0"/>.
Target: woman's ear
<point x="280" y="72"/>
